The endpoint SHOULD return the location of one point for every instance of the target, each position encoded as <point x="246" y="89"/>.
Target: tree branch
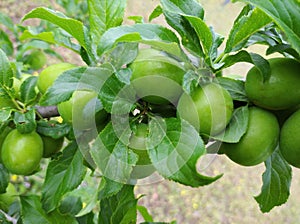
<point x="47" y="111"/>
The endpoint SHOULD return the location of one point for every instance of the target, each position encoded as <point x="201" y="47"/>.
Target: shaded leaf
<point x="237" y="127"/>
<point x="285" y="14"/>
<point x="111" y="155"/>
<point x="276" y="182"/>
<point x="25" y="122"/>
<point x="28" y="91"/>
<point x="235" y="87"/>
<point x="4" y="178"/>
<point x="63" y="175"/>
<point x="253" y="58"/>
<point x="5" y="43"/>
<point x="174" y="149"/>
<point x="120" y="208"/>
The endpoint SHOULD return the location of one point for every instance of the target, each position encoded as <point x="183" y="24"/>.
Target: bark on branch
<point x="47" y="111"/>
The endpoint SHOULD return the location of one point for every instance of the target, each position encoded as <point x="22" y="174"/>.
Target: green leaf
<point x="120" y="208"/>
<point x="276" y="182"/>
<point x="104" y="14"/>
<point x="285" y="14"/>
<point x="111" y="154"/>
<point x="5" y="43"/>
<point x="4" y="178"/>
<point x="248" y="22"/>
<point x="237" y="127"/>
<point x="7" y="21"/>
<point x="152" y="34"/>
<point x="55" y="37"/>
<point x="155" y="13"/>
<point x="25" y="122"/>
<point x="86" y="219"/>
<point x="190" y="81"/>
<point x="3" y="219"/>
<point x="70" y="205"/>
<point x="204" y="33"/>
<point x="174" y="149"/>
<point x="116" y="96"/>
<point x="63" y="175"/>
<point x="32" y="212"/>
<point x="123" y="54"/>
<point x="88" y="195"/>
<point x="6" y="72"/>
<point x="175" y="12"/>
<point x="82" y="78"/>
<point x="5" y="114"/>
<point x="145" y="214"/>
<point x="53" y="128"/>
<point x="253" y="58"/>
<point x="72" y="26"/>
<point x="45" y="36"/>
<point x="108" y="188"/>
<point x="235" y="87"/>
<point x="28" y="91"/>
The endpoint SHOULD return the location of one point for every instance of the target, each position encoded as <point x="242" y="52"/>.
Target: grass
<point x="230" y="199"/>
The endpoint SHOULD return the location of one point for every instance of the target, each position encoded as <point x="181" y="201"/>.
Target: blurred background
<point x="230" y="199"/>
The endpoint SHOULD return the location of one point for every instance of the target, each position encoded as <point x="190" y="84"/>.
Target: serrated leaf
<point x="82" y="78"/>
<point x="120" y="208"/>
<point x="190" y="81"/>
<point x="174" y="149"/>
<point x="111" y="155"/>
<point x="54" y="37"/>
<point x="53" y="129"/>
<point x="72" y="26"/>
<point x="123" y="54"/>
<point x="108" y="188"/>
<point x="32" y="212"/>
<point x="5" y="43"/>
<point x="25" y="122"/>
<point x="28" y="91"/>
<point x="237" y="127"/>
<point x="4" y="178"/>
<point x="248" y="22"/>
<point x="104" y="14"/>
<point x="116" y="96"/>
<point x="235" y="87"/>
<point x="152" y="34"/>
<point x="204" y="33"/>
<point x="285" y="14"/>
<point x="174" y="12"/>
<point x="6" y="73"/>
<point x="276" y="182"/>
<point x="63" y="175"/>
<point x="253" y="58"/>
